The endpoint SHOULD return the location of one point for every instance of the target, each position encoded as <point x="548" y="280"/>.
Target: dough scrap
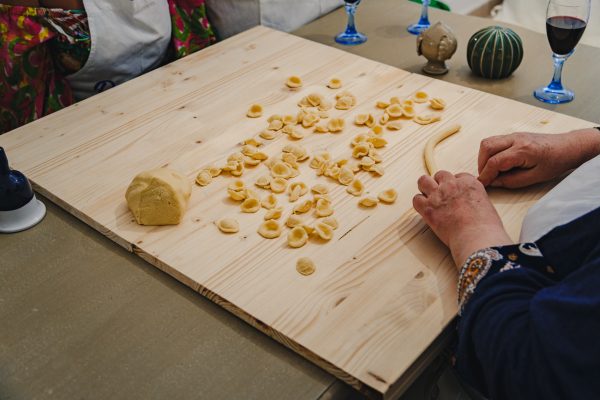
<point x="158" y="197"/>
<point x="432" y="142"/>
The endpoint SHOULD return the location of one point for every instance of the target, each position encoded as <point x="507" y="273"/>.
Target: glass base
<point x="553" y="96"/>
<point x="416" y="29"/>
<point x="350" y="39"/>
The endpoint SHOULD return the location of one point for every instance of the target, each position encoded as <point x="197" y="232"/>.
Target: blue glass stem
<point x="424" y="13"/>
<point x="351" y="10"/>
<point x="559" y="62"/>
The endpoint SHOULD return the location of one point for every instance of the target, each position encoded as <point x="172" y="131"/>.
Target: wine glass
<point x="351" y="36"/>
<point x="423" y="23"/>
<point x="566" y="21"/>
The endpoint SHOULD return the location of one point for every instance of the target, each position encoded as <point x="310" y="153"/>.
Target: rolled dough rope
<point x="432" y="142"/>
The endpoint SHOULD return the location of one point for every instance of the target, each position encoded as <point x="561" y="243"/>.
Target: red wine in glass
<point x="564" y="33"/>
<point x="565" y="23"/>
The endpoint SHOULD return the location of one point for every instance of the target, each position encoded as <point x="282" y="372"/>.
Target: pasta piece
<point x="297" y="150"/>
<point x="335" y="125"/>
<point x="394" y="126"/>
<point x="366" y="163"/>
<point x="356" y="188"/>
<point x="278" y="185"/>
<point x="361" y="119"/>
<point x="248" y="150"/>
<point x="344" y="103"/>
<point x="235" y="157"/>
<point x="302" y="187"/>
<point x="382" y="104"/>
<point x="291" y="159"/>
<point x="331" y="221"/>
<point x="321" y="129"/>
<point x="236" y="195"/>
<point x="268" y="135"/>
<point x="236" y="185"/>
<point x="253" y="142"/>
<point x="408" y="102"/>
<point x="360" y="138"/>
<point x="305" y="266"/>
<point x="377" y="142"/>
<point x="281" y="170"/>
<point x="303" y="207"/>
<point x="394" y="100"/>
<point x="274" y="213"/>
<point x="374" y="154"/>
<point x="275" y="125"/>
<point x="395" y="111"/>
<point x="346" y="176"/>
<point x="314" y="99"/>
<point x="289" y="120"/>
<point x="295" y="194"/>
<point x="297" y="237"/>
<point x="384" y="118"/>
<point x="293" y="221"/>
<point x="324" y="231"/>
<point x="323" y="208"/>
<point x="255" y="111"/>
<point x="269" y="202"/>
<point x="409" y="111"/>
<point x="333" y="171"/>
<point x="308" y="229"/>
<point x="310" y="120"/>
<point x="304" y="102"/>
<point x="334" y="83"/>
<point x="251" y="194"/>
<point x="260" y="156"/>
<point x="323" y="114"/>
<point x="228" y="225"/>
<point x="361" y="150"/>
<point x="376" y="130"/>
<point x="420" y="97"/>
<point x="214" y="171"/>
<point x="377" y="169"/>
<point x="320" y="189"/>
<point x="325" y="105"/>
<point x="235" y="168"/>
<point x="263" y="181"/>
<point x="273" y="118"/>
<point x="317" y="197"/>
<point x="270" y="229"/>
<point x="300" y="116"/>
<point x="388" y="196"/>
<point x="432" y="142"/>
<point x="340" y="162"/>
<point x="368" y="202"/>
<point x="250" y="205"/>
<point x="437" y="103"/>
<point x="204" y="178"/>
<point x="426" y="119"/>
<point x="251" y="162"/>
<point x="287" y="129"/>
<point x="294" y="82"/>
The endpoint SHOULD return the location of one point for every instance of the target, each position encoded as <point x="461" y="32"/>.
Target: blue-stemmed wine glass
<point x="566" y="21"/>
<point x="423" y="23"/>
<point x="351" y="36"/>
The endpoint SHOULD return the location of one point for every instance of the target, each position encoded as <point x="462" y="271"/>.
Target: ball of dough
<point x="158" y="197"/>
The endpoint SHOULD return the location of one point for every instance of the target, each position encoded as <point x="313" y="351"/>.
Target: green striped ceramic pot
<point x="494" y="52"/>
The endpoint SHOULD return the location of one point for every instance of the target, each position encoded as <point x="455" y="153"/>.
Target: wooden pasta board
<point x="384" y="288"/>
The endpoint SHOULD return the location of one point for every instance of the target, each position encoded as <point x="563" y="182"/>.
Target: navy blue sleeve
<point x="526" y="334"/>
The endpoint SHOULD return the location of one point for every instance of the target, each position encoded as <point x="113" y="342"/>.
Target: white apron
<point x="576" y="195"/>
<point x="129" y="37"/>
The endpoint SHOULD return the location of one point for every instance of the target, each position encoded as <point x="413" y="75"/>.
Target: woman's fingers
<point x="420" y="203"/>
<point x="492" y="146"/>
<point x="502" y="162"/>
<point x="427" y="185"/>
<point x="516" y="178"/>
<point x="443" y="176"/>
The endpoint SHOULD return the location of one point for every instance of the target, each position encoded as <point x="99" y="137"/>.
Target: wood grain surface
<point x="384" y="287"/>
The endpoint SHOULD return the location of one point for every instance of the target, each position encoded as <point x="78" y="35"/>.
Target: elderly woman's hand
<point x="459" y="212"/>
<point x="523" y="159"/>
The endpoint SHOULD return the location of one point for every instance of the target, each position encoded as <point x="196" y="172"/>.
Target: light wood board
<point x="384" y="287"/>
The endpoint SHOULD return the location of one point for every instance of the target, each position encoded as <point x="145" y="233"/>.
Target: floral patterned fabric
<point x="39" y="47"/>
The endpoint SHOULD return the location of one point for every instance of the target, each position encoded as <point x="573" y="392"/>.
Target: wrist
<point x="471" y="240"/>
<point x="588" y="145"/>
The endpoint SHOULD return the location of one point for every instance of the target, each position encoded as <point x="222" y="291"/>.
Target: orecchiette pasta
<point x="250" y="205"/>
<point x="395" y="110"/>
<point x="263" y="181"/>
<point x="323" y="208"/>
<point x="420" y="97"/>
<point x="334" y="83"/>
<point x="356" y="188"/>
<point x="408" y="111"/>
<point x="293" y="221"/>
<point x="253" y="142"/>
<point x="346" y="176"/>
<point x="305" y="266"/>
<point x="321" y="129"/>
<point x="394" y="100"/>
<point x="278" y="185"/>
<point x="214" y="171"/>
<point x="236" y="185"/>
<point x="297" y="237"/>
<point x="314" y="99"/>
<point x="320" y="189"/>
<point x="437" y="103"/>
<point x="268" y="135"/>
<point x="388" y="196"/>
<point x="304" y="207"/>
<point x="228" y="225"/>
<point x="275" y="125"/>
<point x="394" y="126"/>
<point x="294" y="82"/>
<point x="274" y="213"/>
<point x="289" y="120"/>
<point x="324" y="231"/>
<point x="270" y="229"/>
<point x="281" y="170"/>
<point x="236" y="195"/>
<point x="269" y="202"/>
<point x="377" y="142"/>
<point x="382" y="104"/>
<point x="335" y="125"/>
<point x="255" y="111"/>
<point x="204" y="178"/>
<point x="331" y="221"/>
<point x="426" y="119"/>
<point x="368" y="202"/>
<point x="274" y="117"/>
